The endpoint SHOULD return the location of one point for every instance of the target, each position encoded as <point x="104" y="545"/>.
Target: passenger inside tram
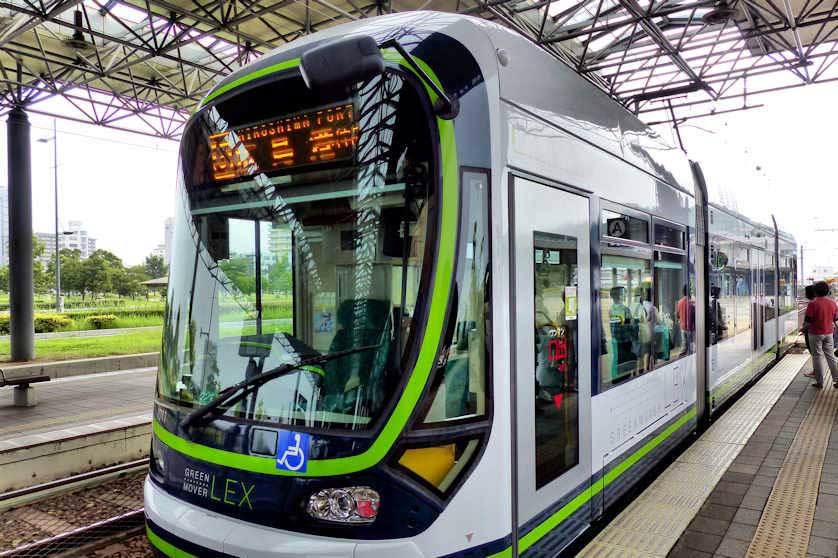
<point x="718" y="327"/>
<point x="623" y="335"/>
<point x="645" y="315"/>
<point x="686" y="319"/>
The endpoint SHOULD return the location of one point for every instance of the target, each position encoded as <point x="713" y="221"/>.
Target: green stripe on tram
<point x="314" y="369"/>
<point x="568" y="509"/>
<point x="262" y="72"/>
<point x="255" y="344"/>
<point x="433" y="330"/>
<point x="166" y="548"/>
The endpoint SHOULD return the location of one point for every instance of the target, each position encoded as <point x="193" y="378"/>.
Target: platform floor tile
<point x="651" y="525"/>
<point x="785" y="526"/>
<point x="69" y="403"/>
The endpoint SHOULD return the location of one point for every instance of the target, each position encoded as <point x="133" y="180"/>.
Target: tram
<point x="434" y="295"/>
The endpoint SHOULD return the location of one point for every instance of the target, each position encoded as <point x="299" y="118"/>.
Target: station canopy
<point x="143" y="65"/>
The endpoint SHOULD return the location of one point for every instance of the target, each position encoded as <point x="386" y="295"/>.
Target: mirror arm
<point x="446" y="107"/>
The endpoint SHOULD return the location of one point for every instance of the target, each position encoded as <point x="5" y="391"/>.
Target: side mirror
<point x="256" y="346"/>
<point x="342" y="62"/>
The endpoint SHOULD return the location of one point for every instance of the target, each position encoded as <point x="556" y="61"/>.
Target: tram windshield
<point x="304" y="233"/>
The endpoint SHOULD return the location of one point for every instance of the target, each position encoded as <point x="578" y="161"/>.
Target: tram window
<point x="628" y="316"/>
<point x="675" y="302"/>
<point x="666" y="235"/>
<point x="722" y="280"/>
<point x="769" y="281"/>
<point x="556" y="368"/>
<point x="625" y="227"/>
<point x="237" y="301"/>
<point x="743" y="288"/>
<point x="786" y="302"/>
<point x="460" y="390"/>
<point x="287" y="263"/>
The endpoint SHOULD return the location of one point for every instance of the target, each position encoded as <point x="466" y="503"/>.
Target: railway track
<point x="95" y="514"/>
<point x="83" y="540"/>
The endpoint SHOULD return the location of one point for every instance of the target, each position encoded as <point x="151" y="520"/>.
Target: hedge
<point x="44" y="323"/>
<point x="85" y="314"/>
<point x="101" y="321"/>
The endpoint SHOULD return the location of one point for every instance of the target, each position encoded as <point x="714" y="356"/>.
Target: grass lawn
<point x="144" y="341"/>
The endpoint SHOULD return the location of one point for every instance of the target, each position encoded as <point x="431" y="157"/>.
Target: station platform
<point x="761" y="482"/>
<point x="78" y="401"/>
<point x="79" y="424"/>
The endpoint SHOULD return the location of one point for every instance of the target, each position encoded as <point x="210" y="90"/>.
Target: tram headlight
<point x="157" y="456"/>
<point x="354" y="504"/>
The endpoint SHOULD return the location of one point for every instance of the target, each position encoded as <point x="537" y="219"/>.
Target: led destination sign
<point x="319" y="136"/>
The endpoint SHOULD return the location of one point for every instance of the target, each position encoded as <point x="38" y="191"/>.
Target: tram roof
<point x="143" y="65"/>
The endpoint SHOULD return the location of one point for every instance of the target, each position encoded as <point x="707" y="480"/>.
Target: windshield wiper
<point x="239" y="391"/>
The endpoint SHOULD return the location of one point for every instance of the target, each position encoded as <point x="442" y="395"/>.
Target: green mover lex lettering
<point x="234" y="492"/>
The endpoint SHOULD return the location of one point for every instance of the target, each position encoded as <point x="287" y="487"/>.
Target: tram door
<point x="758" y="298"/>
<point x="551" y="348"/>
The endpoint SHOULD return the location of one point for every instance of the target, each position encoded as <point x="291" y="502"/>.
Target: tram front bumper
<point x="178" y="529"/>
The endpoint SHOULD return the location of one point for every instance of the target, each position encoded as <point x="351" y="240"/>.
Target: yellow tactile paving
<point x="786" y="522"/>
<point x="651" y="525"/>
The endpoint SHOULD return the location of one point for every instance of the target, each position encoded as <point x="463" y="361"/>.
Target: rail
<point x="72" y="542"/>
<point x="51" y="488"/>
<point x="75" y="538"/>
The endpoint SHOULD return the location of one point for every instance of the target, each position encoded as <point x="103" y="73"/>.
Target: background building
<point x="162" y="252"/>
<point x="48" y="240"/>
<point x="74" y="237"/>
<point x="78" y="239"/>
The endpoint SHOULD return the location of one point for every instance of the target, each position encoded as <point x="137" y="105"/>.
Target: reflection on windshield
<point x="274" y="269"/>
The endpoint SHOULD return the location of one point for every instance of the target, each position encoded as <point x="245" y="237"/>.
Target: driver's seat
<point x="360" y="322"/>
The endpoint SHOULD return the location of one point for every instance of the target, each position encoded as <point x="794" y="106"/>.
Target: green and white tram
<point x="434" y="295"/>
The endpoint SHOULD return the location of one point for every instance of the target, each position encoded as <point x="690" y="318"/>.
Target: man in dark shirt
<point x="821" y="314"/>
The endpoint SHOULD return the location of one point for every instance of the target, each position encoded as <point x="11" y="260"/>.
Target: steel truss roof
<point x="143" y="65"/>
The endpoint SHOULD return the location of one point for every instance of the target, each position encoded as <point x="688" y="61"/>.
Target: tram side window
<point x="556" y="366"/>
<point x="787" y="294"/>
<point x="624" y="227"/>
<point x="460" y="390"/>
<point x="783" y="285"/>
<point x="742" y="288"/>
<point x="675" y="327"/>
<point x="722" y="302"/>
<point x="671" y="237"/>
<point x="769" y="283"/>
<point x="627" y="316"/>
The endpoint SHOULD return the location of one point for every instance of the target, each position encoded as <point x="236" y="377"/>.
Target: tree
<point x="279" y="277"/>
<point x="38" y="247"/>
<point x="239" y="272"/>
<point x="129" y="282"/>
<point x="71" y="271"/>
<point x="42" y="280"/>
<point x="99" y="272"/>
<point x="155" y="266"/>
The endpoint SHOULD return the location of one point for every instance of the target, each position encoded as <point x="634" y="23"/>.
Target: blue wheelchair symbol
<point x="292" y="451"/>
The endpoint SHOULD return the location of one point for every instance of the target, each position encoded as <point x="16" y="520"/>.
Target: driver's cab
<point x="314" y="260"/>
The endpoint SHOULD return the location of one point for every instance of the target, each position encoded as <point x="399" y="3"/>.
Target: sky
<point x="779" y="159"/>
<point x="121" y="185"/>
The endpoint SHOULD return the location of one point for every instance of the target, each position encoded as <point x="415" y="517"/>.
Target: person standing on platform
<point x="810" y="296"/>
<point x="821" y="314"/>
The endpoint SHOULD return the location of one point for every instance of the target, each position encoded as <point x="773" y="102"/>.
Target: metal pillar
<point x="59" y="307"/>
<point x="21" y="297"/>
